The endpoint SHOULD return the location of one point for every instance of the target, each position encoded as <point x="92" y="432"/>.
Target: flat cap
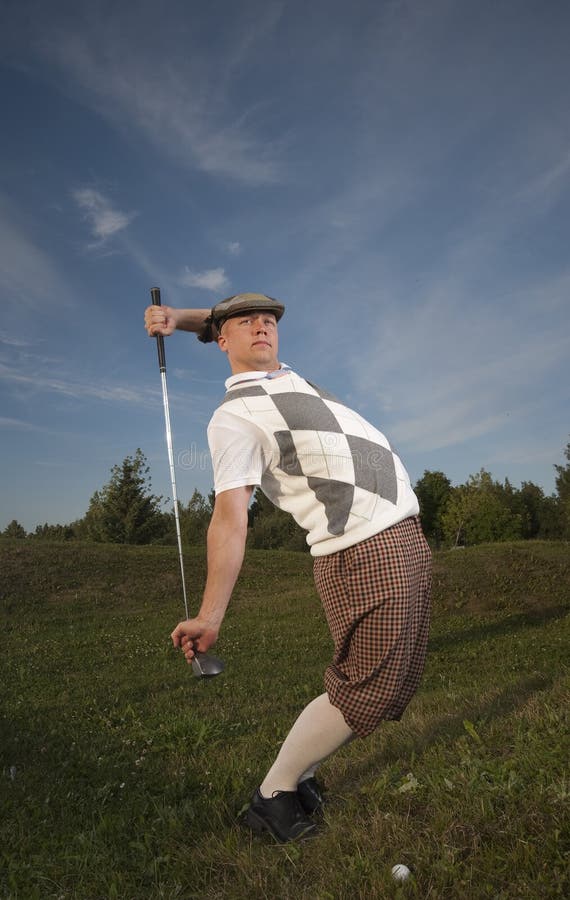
<point x="240" y="303"/>
<point x="234" y="306"/>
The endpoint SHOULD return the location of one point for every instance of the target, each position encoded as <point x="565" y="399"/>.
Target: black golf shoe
<point x="310" y="795"/>
<point x="281" y="815"/>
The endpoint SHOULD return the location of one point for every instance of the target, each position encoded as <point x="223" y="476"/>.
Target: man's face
<point x="250" y="342"/>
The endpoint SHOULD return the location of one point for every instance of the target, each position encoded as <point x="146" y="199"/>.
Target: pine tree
<point x="433" y="491"/>
<point x="15" y="530"/>
<point x="195" y="518"/>
<point x="124" y="511"/>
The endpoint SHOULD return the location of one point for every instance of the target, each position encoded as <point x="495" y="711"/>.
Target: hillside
<point x="122" y="775"/>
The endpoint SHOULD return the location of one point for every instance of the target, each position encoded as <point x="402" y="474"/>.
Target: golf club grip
<point x="155" y="295"/>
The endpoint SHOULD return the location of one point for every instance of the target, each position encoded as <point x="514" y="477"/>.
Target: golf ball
<point x="400" y="872"/>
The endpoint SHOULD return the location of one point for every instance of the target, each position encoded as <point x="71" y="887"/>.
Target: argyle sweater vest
<point x="313" y="457"/>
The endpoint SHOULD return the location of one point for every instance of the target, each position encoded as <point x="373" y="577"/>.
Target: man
<point x="342" y="482"/>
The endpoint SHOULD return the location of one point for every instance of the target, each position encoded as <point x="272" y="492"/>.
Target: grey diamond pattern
<point x="374" y="469"/>
<point x="337" y="497"/>
<point x="303" y="412"/>
<point x="289" y="459"/>
<point x="255" y="390"/>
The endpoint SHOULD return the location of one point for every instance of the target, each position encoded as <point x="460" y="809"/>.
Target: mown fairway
<point x="121" y="774"/>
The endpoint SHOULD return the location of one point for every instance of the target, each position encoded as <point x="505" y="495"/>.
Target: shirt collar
<point x="255" y="376"/>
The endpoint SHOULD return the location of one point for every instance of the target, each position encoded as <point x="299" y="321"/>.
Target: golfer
<point x="341" y="480"/>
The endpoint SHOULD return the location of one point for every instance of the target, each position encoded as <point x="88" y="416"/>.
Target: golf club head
<point x="206" y="666"/>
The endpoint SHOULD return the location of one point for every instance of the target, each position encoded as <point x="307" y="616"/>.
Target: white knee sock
<point x="318" y="732"/>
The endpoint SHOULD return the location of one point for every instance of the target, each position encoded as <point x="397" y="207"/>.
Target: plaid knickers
<point x="376" y="597"/>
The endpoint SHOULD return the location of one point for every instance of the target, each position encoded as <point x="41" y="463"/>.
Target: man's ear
<point x="222" y="343"/>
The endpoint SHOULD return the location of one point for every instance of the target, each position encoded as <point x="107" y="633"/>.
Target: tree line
<point x="125" y="511"/>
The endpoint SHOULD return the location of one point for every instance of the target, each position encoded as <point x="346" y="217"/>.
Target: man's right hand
<point x="194" y="636"/>
<point x="160" y="320"/>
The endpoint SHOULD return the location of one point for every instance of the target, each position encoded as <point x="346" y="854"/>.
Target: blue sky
<point x="397" y="173"/>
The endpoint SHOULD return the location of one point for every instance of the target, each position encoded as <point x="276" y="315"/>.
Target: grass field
<point x="121" y="774"/>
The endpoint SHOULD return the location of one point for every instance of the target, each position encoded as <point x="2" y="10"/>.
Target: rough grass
<point x="121" y="775"/>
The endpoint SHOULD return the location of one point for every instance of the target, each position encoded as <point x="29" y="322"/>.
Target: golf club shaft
<point x="155" y="294"/>
<point x="203" y="664"/>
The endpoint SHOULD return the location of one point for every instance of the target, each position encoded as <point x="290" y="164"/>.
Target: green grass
<point x="121" y="775"/>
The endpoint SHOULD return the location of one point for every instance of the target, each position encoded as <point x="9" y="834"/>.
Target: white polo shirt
<point x="311" y="455"/>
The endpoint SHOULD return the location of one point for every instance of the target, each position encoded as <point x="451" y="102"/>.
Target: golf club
<point x="203" y="664"/>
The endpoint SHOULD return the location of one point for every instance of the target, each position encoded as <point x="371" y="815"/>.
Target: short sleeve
<point x="238" y="451"/>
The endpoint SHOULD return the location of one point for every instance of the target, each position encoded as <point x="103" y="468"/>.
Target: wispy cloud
<point x="79" y="390"/>
<point x="194" y="376"/>
<point x="210" y="280"/>
<point x="456" y="368"/>
<point x="10" y="341"/>
<point x="150" y="72"/>
<point x="18" y="425"/>
<point x="546" y="187"/>
<point x="234" y="248"/>
<point x="28" y="275"/>
<point x="105" y="220"/>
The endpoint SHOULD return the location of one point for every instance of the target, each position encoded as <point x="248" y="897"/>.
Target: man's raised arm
<point x="167" y="319"/>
